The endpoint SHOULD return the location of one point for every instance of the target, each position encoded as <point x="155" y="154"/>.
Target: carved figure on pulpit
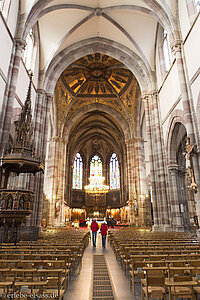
<point x="2" y="201"/>
<point x="189" y="150"/>
<point x="21" y="203"/>
<point x="9" y="202"/>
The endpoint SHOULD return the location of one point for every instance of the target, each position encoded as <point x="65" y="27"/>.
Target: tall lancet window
<point x="197" y="4"/>
<point x="5" y="7"/>
<point x="96" y="167"/>
<point x="78" y="172"/>
<point x="114" y="172"/>
<point x="28" y="53"/>
<point x="166" y="50"/>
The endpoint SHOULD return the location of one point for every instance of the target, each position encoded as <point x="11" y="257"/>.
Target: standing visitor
<point x="104" y="229"/>
<point x="94" y="227"/>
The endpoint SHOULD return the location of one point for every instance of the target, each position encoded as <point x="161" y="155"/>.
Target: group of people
<point x="104" y="229"/>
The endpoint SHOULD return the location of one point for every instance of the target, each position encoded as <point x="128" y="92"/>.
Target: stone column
<point x="176" y="215"/>
<point x="49" y="180"/>
<point x="131" y="183"/>
<point x="43" y="140"/>
<point x="55" y="180"/>
<point x="144" y="214"/>
<point x="158" y="173"/>
<point x="151" y="159"/>
<point x="160" y="168"/>
<point x="41" y="116"/>
<point x="176" y="47"/>
<point x="38" y="116"/>
<point x="6" y="122"/>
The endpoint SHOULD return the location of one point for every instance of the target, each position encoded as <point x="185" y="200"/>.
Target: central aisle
<point x="80" y="286"/>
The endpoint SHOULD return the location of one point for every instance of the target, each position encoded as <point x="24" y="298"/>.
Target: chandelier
<point x="96" y="187"/>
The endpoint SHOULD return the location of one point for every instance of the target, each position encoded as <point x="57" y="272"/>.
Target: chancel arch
<point x="96" y="101"/>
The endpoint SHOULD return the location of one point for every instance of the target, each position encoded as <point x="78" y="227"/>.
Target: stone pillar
<point x="158" y="170"/>
<point x="41" y="117"/>
<point x="176" y="214"/>
<point x="151" y="158"/>
<point x="177" y="49"/>
<point x="55" y="180"/>
<point x="38" y="118"/>
<point x="144" y="208"/>
<point x="131" y="182"/>
<point x="18" y="52"/>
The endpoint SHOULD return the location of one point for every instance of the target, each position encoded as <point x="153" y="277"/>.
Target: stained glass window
<point x="96" y="167"/>
<point x="78" y="172"/>
<point x="114" y="172"/>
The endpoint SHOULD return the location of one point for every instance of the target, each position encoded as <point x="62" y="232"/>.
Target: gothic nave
<point x="99" y="119"/>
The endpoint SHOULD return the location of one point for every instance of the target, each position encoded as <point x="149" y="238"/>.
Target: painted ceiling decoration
<point x="96" y="75"/>
<point x="96" y="78"/>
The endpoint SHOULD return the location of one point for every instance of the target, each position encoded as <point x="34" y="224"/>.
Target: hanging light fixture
<point x="96" y="187"/>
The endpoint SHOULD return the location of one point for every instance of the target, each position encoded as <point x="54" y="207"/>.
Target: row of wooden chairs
<point x="41" y="269"/>
<point x="25" y="282"/>
<point x="165" y="263"/>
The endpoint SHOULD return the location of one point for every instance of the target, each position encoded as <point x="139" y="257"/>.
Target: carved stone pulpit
<point x="17" y="204"/>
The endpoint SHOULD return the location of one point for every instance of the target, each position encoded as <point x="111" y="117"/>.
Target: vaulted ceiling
<point x="96" y="79"/>
<point x="131" y="23"/>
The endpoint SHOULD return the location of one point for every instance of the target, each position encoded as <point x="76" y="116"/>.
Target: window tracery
<point x="114" y="172"/>
<point x="96" y="167"/>
<point x="78" y="172"/>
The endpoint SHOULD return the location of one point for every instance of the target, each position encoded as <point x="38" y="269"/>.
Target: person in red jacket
<point x="104" y="230"/>
<point x="94" y="227"/>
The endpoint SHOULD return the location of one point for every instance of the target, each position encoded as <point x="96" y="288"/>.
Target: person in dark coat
<point x="112" y="223"/>
<point x="94" y="227"/>
<point x="104" y="230"/>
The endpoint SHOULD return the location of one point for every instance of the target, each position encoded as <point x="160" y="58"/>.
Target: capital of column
<point x="138" y="139"/>
<point x="59" y="139"/>
<point x="49" y="97"/>
<point x="176" y="46"/>
<point x="145" y="97"/>
<point x="41" y="92"/>
<point x="173" y="168"/>
<point x="154" y="93"/>
<point x="20" y="44"/>
<point x="130" y="141"/>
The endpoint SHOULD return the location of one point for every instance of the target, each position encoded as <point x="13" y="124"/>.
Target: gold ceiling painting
<point x="96" y="75"/>
<point x="96" y="78"/>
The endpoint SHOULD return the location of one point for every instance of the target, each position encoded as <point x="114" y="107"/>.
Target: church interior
<point x="99" y="124"/>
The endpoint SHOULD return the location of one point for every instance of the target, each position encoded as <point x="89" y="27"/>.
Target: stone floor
<point x="80" y="285"/>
